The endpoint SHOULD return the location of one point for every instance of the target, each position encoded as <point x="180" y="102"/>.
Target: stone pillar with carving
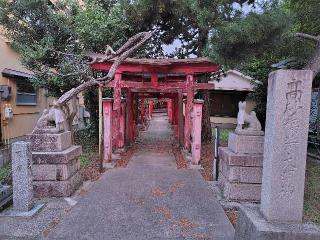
<point x="280" y="215"/>
<point x="240" y="167"/>
<point x="55" y="159"/>
<point x="196" y="116"/>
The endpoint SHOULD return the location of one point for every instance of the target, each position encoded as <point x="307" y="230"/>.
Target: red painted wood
<point x="150" y="108"/>
<point x="188" y="68"/>
<point x="169" y="110"/>
<point x="107" y="130"/>
<point x="187" y="126"/>
<point x="122" y="125"/>
<point x="154" y="79"/>
<point x="117" y="108"/>
<point x="131" y="115"/>
<point x="196" y="131"/>
<point x="142" y="110"/>
<point x="180" y="118"/>
<point x="161" y="87"/>
<point x="174" y="122"/>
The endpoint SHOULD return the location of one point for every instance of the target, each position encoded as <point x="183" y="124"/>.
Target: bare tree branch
<point x="133" y="44"/>
<point x="308" y="36"/>
<point x="314" y="62"/>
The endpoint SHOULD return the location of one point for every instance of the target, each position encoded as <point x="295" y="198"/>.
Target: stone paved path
<point x="150" y="199"/>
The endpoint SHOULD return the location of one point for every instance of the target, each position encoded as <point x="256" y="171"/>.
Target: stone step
<point x="62" y="157"/>
<point x="239" y="191"/>
<point x="50" y="142"/>
<point x="57" y="188"/>
<point x="239" y="174"/>
<point x="55" y="172"/>
<point x="246" y="143"/>
<point x="240" y="159"/>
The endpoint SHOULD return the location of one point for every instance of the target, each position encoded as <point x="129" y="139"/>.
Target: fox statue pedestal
<point x="240" y="168"/>
<point x="56" y="164"/>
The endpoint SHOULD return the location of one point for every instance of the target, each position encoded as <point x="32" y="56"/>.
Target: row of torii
<point x="173" y="80"/>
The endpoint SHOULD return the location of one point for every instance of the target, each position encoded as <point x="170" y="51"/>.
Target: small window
<point x="26" y="93"/>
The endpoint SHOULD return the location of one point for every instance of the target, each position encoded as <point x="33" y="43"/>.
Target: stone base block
<point x="240" y="159"/>
<point x="239" y="191"/>
<point x="50" y="142"/>
<point x="30" y="213"/>
<point x="57" y="188"/>
<point x="63" y="157"/>
<point x="251" y="225"/>
<point x="246" y="143"/>
<point x="240" y="174"/>
<point x="55" y="172"/>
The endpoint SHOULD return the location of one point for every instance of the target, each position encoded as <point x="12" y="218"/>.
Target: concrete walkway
<point x="150" y="199"/>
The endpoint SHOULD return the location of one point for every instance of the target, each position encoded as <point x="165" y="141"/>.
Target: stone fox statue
<point x="54" y="115"/>
<point x="243" y="117"/>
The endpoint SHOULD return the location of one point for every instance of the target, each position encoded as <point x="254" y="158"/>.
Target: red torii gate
<point x="153" y="78"/>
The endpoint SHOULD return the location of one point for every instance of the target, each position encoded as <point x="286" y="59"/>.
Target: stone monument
<point x="240" y="168"/>
<point x="23" y="204"/>
<point x="56" y="161"/>
<point x="22" y="176"/>
<point x="285" y="151"/>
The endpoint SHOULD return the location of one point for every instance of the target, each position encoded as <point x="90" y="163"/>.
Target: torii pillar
<point x="129" y="118"/>
<point x="142" y="110"/>
<point x="169" y="109"/>
<point x="107" y="129"/>
<point x="188" y="110"/>
<point x="122" y="125"/>
<point x="150" y="108"/>
<point x="196" y="131"/>
<point x="117" y="107"/>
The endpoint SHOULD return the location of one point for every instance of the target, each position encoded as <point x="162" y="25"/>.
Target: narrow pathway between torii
<point x="150" y="199"/>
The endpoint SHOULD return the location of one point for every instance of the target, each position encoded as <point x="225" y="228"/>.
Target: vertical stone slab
<point x="107" y="130"/>
<point x="196" y="131"/>
<point x="285" y="146"/>
<point x="22" y="176"/>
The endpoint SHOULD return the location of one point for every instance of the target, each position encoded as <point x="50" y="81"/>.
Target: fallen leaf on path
<point x="157" y="192"/>
<point x="174" y="187"/>
<point x="164" y="211"/>
<point x="185" y="224"/>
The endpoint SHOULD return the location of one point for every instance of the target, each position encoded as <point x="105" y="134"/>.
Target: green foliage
<point x="312" y="192"/>
<point x="87" y="138"/>
<point x="53" y="38"/>
<point x="259" y="69"/>
<point x="4" y="172"/>
<point x="97" y="26"/>
<point x="306" y="13"/>
<point x="188" y="21"/>
<point x="256" y="41"/>
<point x="248" y="37"/>
<point x="45" y="37"/>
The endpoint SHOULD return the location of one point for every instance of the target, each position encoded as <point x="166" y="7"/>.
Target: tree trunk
<point x="206" y="131"/>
